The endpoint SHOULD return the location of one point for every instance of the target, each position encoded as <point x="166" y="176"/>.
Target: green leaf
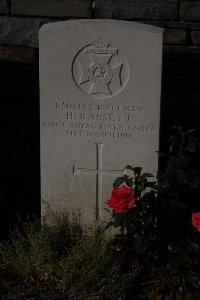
<point x="147" y="175"/>
<point x="118" y="181"/>
<point x="129" y="182"/>
<point x="128" y="167"/>
<point x="136" y="170"/>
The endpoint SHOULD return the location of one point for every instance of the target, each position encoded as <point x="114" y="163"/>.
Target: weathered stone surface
<point x="196" y="37"/>
<point x="136" y="9"/>
<point x="53" y="8"/>
<point x="17" y="54"/>
<point x="20" y="31"/>
<point x="190" y="11"/>
<point x="175" y="36"/>
<point x="3" y="7"/>
<point x="100" y="83"/>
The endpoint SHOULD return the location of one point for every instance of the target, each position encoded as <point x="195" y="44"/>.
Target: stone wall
<point x="20" y="21"/>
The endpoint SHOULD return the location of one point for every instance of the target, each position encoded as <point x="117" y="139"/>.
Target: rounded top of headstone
<point x="101" y="22"/>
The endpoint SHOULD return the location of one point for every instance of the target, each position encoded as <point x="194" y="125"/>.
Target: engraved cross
<point x="98" y="171"/>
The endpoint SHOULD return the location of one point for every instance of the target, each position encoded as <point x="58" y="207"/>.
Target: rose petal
<point x="122" y="199"/>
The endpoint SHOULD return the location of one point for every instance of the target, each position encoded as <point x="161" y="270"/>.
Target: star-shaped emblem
<point x="97" y="71"/>
<point x="100" y="70"/>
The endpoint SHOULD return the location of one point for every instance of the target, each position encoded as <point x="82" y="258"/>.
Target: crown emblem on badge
<point x="100" y="43"/>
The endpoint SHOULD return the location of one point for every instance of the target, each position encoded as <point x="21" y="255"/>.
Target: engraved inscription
<point x="100" y="121"/>
<point x="98" y="171"/>
<point x="100" y="70"/>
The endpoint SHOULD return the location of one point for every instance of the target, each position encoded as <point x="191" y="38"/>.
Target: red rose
<point x="196" y="220"/>
<point x="122" y="199"/>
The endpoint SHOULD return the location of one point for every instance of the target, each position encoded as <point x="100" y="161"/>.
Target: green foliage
<point x="139" y="180"/>
<point x="158" y="227"/>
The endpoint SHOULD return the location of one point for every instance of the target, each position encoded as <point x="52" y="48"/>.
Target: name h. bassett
<point x="108" y="117"/>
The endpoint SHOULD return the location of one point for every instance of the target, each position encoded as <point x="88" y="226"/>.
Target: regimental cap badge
<point x="99" y="69"/>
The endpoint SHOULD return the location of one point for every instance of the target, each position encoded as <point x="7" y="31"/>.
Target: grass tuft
<point x="62" y="259"/>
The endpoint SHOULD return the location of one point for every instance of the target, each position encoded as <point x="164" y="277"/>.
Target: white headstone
<point x="100" y="85"/>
